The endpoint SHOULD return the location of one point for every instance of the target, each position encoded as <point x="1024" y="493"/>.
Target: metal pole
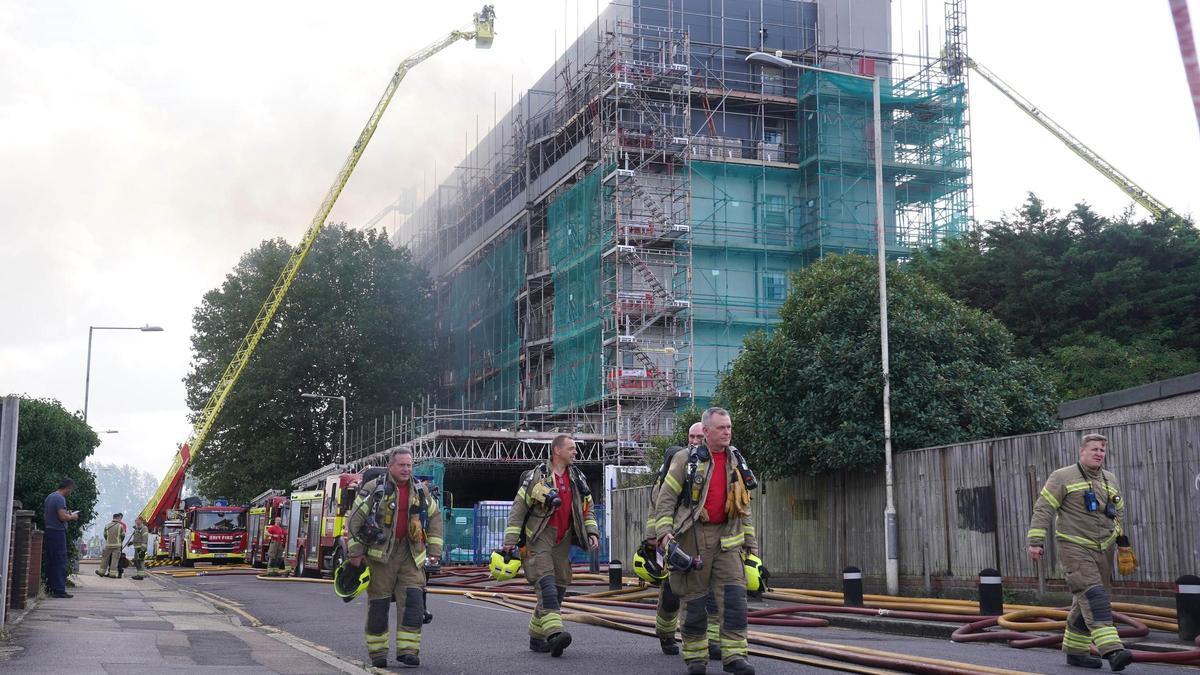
<point x="891" y="535"/>
<point x="343" y="429"/>
<point x="87" y="381"/>
<point x="8" y="468"/>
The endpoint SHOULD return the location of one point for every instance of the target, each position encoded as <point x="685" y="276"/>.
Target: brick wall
<point x="35" y="562"/>
<point x="20" y="558"/>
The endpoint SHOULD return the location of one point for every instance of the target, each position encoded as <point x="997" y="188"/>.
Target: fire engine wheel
<point x="301" y="563"/>
<point x="187" y="563"/>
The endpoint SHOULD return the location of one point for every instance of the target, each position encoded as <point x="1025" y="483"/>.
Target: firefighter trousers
<point x="400" y="579"/>
<point x="274" y="559"/>
<point x="724" y="578"/>
<point x="1089" y="577"/>
<point x="666" y="616"/>
<point x="110" y="560"/>
<point x="139" y="562"/>
<point x="548" y="569"/>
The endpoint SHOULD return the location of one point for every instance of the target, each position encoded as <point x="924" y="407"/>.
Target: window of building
<point x="775" y="286"/>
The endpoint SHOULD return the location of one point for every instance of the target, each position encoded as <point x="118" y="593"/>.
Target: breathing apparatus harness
<point x="694" y="480"/>
<point x="548" y="496"/>
<point x="379" y="521"/>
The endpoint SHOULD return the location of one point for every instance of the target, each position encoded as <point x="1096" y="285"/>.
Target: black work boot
<point x="669" y="646"/>
<point x="697" y="667"/>
<point x="1083" y="661"/>
<point x="379" y="661"/>
<point x="558" y="642"/>
<point x="739" y="667"/>
<point x="538" y="645"/>
<point x="408" y="661"/>
<point x="1119" y="659"/>
<point x="714" y="652"/>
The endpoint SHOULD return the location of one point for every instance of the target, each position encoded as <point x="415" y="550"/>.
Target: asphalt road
<point x="470" y="637"/>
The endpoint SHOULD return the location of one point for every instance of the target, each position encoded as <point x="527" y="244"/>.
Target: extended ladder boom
<point x="168" y="490"/>
<point x="1135" y="191"/>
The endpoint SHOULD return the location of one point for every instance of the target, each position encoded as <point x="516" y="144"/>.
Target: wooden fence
<point x="963" y="508"/>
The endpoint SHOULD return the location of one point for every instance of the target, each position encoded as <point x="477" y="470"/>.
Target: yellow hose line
<point x="1012" y="620"/>
<point x="304" y="580"/>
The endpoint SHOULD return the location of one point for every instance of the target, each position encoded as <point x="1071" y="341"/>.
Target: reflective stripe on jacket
<point x="674" y="515"/>
<point x="428" y="542"/>
<point x="1061" y="504"/>
<point x="583" y="513"/>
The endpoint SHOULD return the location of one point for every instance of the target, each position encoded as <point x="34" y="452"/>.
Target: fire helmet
<point x="504" y="566"/>
<point x="349" y="581"/>
<point x="756" y="573"/>
<point x="645" y="564"/>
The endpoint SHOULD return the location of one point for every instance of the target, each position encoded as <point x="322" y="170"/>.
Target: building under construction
<point x="602" y="253"/>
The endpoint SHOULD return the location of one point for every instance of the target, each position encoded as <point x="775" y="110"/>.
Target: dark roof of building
<point x="1175" y="386"/>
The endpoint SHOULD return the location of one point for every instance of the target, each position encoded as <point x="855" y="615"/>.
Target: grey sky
<point x="146" y="146"/>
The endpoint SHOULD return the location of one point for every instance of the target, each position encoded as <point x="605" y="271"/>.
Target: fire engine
<point x="264" y="509"/>
<point x="316" y="519"/>
<point x="214" y="533"/>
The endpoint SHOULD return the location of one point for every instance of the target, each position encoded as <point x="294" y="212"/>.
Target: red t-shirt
<point x="401" y="511"/>
<point x="275" y="533"/>
<point x="714" y="501"/>
<point x="561" y="518"/>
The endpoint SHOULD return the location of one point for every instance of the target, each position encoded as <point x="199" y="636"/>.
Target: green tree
<point x="52" y="444"/>
<point x="356" y="323"/>
<point x="1075" y="288"/>
<point x="807" y="398"/>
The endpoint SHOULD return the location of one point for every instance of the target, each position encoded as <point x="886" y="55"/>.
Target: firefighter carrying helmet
<point x="349" y="581"/>
<point x="504" y="566"/>
<point x="645" y="564"/>
<point x="756" y="573"/>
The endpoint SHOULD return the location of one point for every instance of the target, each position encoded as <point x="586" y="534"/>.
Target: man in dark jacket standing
<point x="54" y="509"/>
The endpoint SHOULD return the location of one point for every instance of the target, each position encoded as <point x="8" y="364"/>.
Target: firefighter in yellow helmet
<point x="1087" y="505"/>
<point x="666" y="615"/>
<point x="703" y="507"/>
<point x="396" y="527"/>
<point x="553" y="508"/>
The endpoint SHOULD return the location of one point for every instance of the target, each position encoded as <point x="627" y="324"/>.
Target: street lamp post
<point x="343" y="400"/>
<point x="87" y="382"/>
<point x="891" y="533"/>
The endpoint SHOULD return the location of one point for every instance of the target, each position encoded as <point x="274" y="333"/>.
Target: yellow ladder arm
<point x="220" y="393"/>
<point x="1135" y="191"/>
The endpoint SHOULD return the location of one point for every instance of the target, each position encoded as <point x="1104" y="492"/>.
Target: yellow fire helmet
<point x="756" y="572"/>
<point x="504" y="566"/>
<point x="645" y="565"/>
<point x="350" y="581"/>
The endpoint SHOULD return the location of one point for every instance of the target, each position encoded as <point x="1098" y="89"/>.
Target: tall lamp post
<point x="891" y="534"/>
<point x="87" y="382"/>
<point x="343" y="400"/>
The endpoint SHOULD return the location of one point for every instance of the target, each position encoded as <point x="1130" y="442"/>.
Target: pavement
<point x="232" y="622"/>
<point x="122" y="626"/>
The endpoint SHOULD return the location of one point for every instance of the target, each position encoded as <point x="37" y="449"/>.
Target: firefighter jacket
<point x="529" y="513"/>
<point x="424" y="537"/>
<point x="113" y="533"/>
<point x="1064" y="496"/>
<point x="656" y="486"/>
<point x="140" y="536"/>
<point x="680" y="501"/>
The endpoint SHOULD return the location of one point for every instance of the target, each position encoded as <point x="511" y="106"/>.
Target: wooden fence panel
<point x="966" y="507"/>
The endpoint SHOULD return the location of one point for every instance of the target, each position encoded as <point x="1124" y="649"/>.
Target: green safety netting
<point x="575" y="241"/>
<point x="459" y="535"/>
<point x="433" y="471"/>
<point x="926" y="162"/>
<point x="485" y="344"/>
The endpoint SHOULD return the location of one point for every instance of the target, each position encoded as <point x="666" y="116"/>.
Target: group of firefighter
<point x="111" y="564"/>
<point x="700" y="549"/>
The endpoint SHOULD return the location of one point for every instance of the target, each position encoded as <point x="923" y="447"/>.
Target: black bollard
<point x="594" y="562"/>
<point x="852" y="587"/>
<point x="1187" y="606"/>
<point x="614" y="575"/>
<point x="991" y="593"/>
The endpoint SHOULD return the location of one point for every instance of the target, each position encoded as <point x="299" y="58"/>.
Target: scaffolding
<point x="605" y="250"/>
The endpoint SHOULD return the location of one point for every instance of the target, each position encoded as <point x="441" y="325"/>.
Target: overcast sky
<point x="145" y="146"/>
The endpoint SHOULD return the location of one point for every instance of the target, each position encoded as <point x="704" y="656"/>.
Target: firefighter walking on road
<point x="553" y="507"/>
<point x="703" y="511"/>
<point x="139" y="538"/>
<point x="666" y="615"/>
<point x="396" y="527"/>
<point x="276" y="536"/>
<point x="1088" y="505"/>
<point x="110" y="558"/>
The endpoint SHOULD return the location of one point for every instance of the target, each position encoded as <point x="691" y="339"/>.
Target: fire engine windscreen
<point x="220" y="521"/>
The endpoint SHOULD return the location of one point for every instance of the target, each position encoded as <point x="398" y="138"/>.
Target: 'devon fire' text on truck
<point x="215" y="534"/>
<point x="264" y="509"/>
